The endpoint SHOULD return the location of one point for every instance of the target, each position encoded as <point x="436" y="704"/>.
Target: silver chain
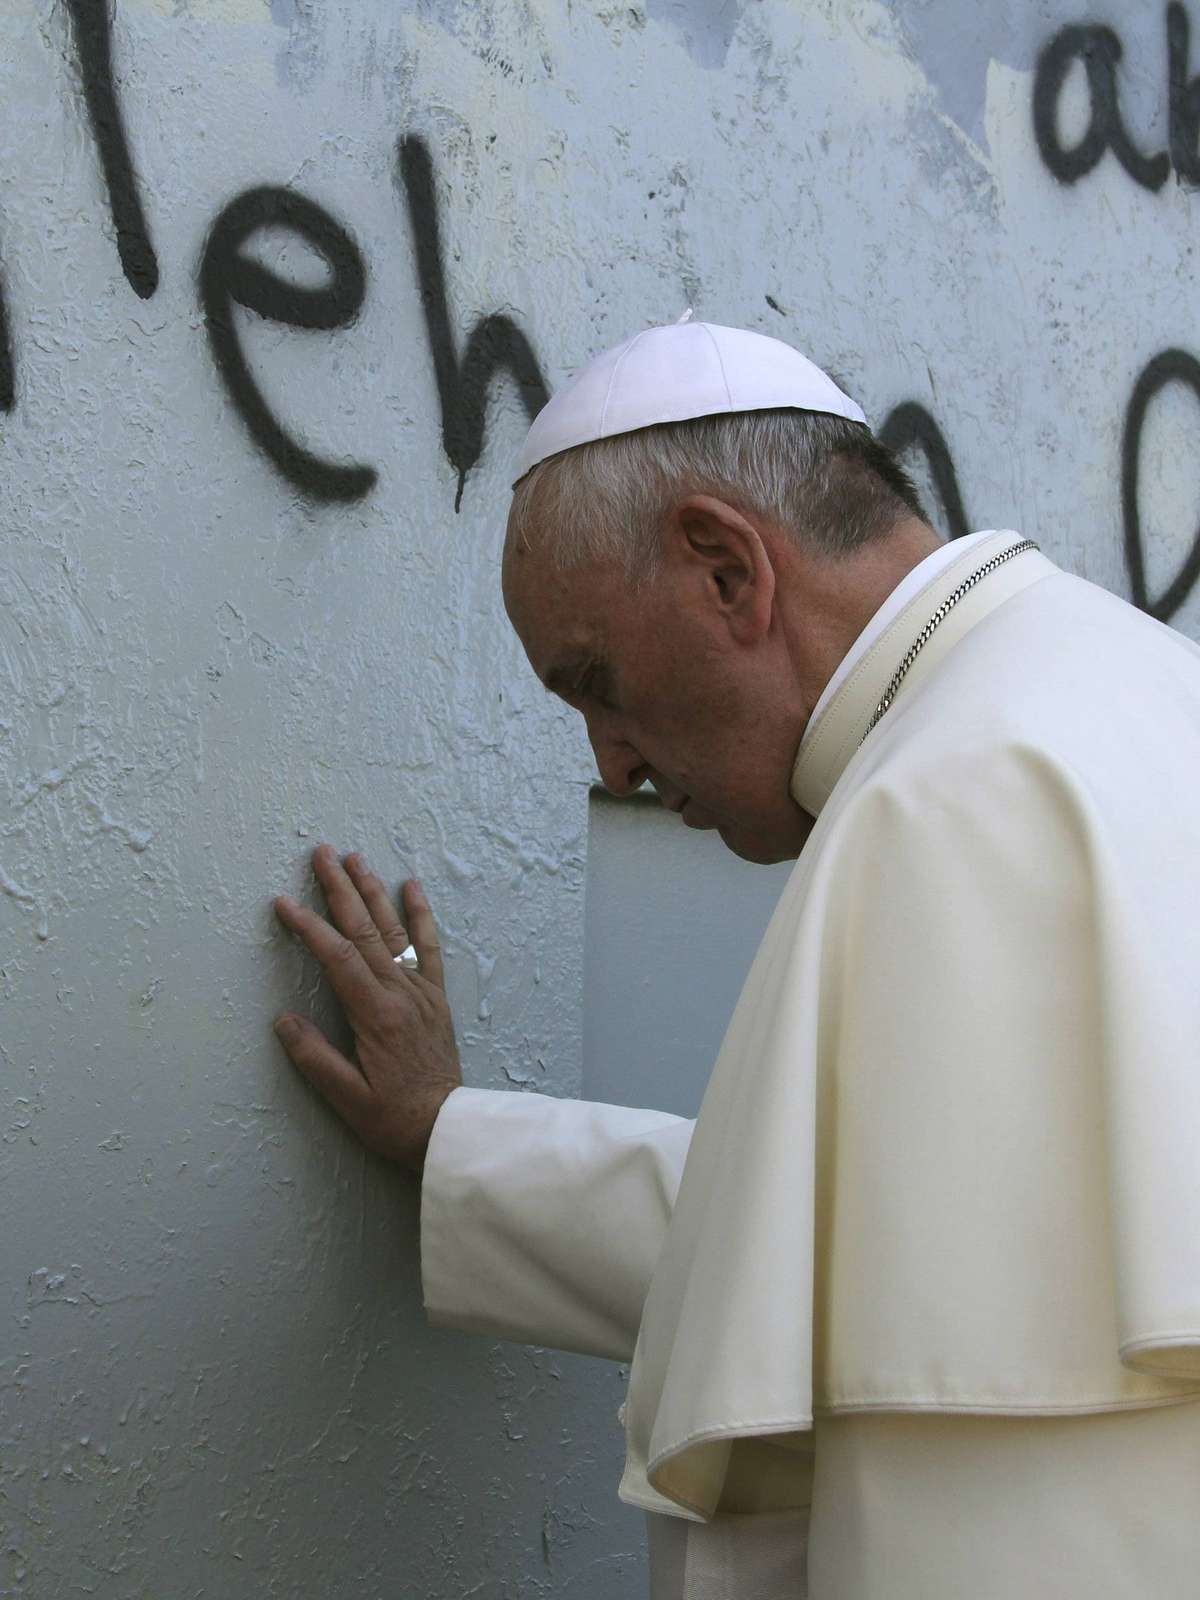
<point x="939" y="616"/>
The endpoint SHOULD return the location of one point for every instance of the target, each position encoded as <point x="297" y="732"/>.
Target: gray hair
<point x="825" y="480"/>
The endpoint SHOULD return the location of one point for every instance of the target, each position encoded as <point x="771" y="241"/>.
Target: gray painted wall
<point x="671" y="925"/>
<point x="220" y="643"/>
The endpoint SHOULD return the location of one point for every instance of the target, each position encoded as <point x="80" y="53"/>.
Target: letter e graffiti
<point x="227" y="276"/>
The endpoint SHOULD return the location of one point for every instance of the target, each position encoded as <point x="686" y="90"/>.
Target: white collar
<point x="909" y="585"/>
<point x="919" y="606"/>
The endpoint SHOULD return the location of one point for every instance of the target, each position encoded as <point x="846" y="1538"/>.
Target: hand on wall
<point x="404" y="1034"/>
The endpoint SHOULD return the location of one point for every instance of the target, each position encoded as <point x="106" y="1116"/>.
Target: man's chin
<point x="759" y="851"/>
<point x="694" y="816"/>
<point x="749" y="850"/>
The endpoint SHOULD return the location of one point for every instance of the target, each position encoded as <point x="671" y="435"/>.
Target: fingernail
<point x="285" y="1027"/>
<point x="418" y="892"/>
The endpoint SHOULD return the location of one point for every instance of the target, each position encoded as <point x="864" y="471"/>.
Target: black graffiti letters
<point x="1170" y="366"/>
<point x="235" y="285"/>
<point x="494" y="344"/>
<point x="227" y="275"/>
<point x="93" y="45"/>
<point x="1099" y="50"/>
<point x="909" y="424"/>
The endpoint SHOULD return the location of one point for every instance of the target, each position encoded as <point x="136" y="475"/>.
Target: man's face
<point x="667" y="696"/>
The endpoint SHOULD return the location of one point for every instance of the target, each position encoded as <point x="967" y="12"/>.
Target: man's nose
<point x="621" y="768"/>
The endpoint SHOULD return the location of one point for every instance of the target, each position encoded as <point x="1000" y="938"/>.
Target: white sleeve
<point x="542" y="1219"/>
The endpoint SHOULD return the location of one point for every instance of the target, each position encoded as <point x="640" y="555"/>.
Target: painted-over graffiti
<point x="228" y="276"/>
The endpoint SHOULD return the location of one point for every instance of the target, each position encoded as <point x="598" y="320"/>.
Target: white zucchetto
<point x="674" y="371"/>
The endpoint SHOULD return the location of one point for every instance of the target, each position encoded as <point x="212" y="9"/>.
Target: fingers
<point x="348" y="911"/>
<point x="423" y="931"/>
<point x="379" y="903"/>
<point x="327" y="1069"/>
<point x="367" y="926"/>
<point x="354" y="982"/>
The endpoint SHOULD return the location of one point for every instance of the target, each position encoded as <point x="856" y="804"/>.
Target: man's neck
<point x="828" y="600"/>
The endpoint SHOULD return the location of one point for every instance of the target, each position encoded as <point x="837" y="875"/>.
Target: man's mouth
<point x="675" y="805"/>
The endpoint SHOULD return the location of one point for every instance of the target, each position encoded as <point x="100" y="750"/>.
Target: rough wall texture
<point x="280" y="283"/>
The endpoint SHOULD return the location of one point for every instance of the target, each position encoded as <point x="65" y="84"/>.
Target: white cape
<point x="949" y="1156"/>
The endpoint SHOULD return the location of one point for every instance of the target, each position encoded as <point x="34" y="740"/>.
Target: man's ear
<point x="722" y="551"/>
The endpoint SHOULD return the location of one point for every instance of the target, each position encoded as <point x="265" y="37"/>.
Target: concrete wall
<point x="281" y="284"/>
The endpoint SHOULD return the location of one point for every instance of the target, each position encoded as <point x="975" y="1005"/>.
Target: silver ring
<point x="407" y="959"/>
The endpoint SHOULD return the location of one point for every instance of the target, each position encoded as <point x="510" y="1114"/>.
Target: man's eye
<point x="591" y="684"/>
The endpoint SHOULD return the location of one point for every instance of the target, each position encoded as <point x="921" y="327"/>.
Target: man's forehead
<point x="558" y="614"/>
<point x="531" y="583"/>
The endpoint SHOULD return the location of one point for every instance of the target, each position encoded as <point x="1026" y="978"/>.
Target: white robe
<point x="952" y="1130"/>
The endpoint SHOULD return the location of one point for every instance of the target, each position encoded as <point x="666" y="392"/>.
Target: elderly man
<point x="913" y="1307"/>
